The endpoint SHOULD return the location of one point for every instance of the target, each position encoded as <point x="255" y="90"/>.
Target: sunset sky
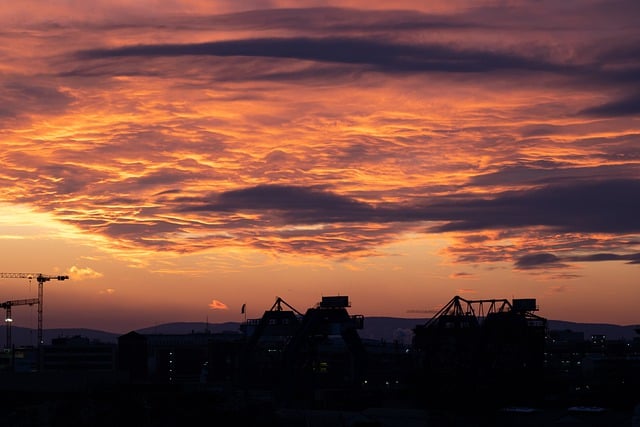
<point x="178" y="159"/>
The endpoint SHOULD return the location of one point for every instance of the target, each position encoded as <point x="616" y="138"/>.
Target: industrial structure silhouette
<point x="480" y="361"/>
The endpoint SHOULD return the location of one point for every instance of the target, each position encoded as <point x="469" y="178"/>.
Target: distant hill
<point x="29" y="337"/>
<point x="390" y="329"/>
<point x="387" y="329"/>
<point x="401" y="329"/>
<point x="613" y="332"/>
<point x="191" y="327"/>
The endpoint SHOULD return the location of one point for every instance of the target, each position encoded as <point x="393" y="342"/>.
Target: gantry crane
<point x="40" y="278"/>
<point x="7" y="306"/>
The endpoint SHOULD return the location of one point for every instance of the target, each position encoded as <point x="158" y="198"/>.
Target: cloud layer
<point x="332" y="131"/>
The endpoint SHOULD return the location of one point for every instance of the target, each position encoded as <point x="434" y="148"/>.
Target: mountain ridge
<point x="381" y="328"/>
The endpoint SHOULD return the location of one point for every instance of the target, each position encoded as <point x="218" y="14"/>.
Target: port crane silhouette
<point x="40" y="278"/>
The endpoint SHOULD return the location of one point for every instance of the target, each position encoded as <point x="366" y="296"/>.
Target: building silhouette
<point x="489" y="362"/>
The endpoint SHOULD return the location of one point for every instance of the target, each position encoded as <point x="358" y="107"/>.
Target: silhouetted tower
<point x="325" y="357"/>
<point x="512" y="353"/>
<point x="265" y="342"/>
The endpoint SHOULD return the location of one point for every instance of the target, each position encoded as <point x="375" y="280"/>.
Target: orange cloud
<point x="461" y="275"/>
<point x="80" y="273"/>
<point x="218" y="305"/>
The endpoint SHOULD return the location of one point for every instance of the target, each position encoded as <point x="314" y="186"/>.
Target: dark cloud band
<point x="607" y="206"/>
<point x="377" y="54"/>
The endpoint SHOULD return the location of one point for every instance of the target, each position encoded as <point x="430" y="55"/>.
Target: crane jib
<point x="40" y="278"/>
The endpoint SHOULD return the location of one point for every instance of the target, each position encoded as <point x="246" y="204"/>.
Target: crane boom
<point x="40" y="278"/>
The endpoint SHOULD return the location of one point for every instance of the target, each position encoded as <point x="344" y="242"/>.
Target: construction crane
<point x="7" y="318"/>
<point x="40" y="278"/>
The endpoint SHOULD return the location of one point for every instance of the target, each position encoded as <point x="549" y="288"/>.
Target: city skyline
<point x="182" y="160"/>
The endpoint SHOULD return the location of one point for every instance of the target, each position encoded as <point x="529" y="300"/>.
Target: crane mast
<point x="7" y="318"/>
<point x="40" y="278"/>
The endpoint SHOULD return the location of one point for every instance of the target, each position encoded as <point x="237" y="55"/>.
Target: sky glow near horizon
<point x="180" y="159"/>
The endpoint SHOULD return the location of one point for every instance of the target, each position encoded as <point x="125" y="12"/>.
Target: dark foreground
<point x="159" y="406"/>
